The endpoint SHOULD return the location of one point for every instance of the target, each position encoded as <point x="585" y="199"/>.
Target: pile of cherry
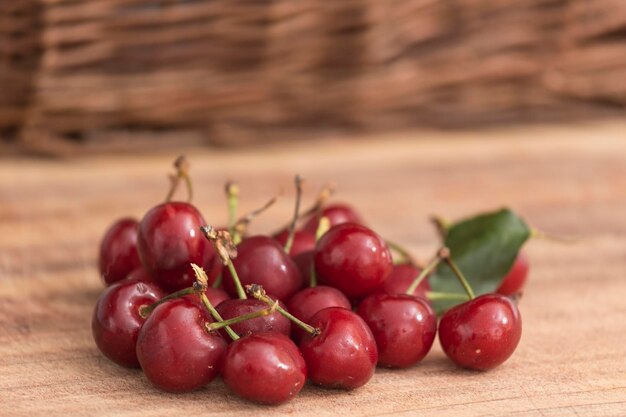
<point x="187" y="302"/>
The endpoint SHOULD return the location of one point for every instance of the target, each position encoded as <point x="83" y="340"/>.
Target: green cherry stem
<point x="445" y="253"/>
<point x="258" y="292"/>
<point x="218" y="281"/>
<point x="322" y="227"/>
<point x="437" y="296"/>
<point x="227" y="251"/>
<point x="423" y="274"/>
<point x="249" y="316"/>
<point x="232" y="196"/>
<point x="145" y="310"/>
<point x="292" y="227"/>
<point x="200" y="287"/>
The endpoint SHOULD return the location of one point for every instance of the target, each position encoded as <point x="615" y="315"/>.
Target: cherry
<point x="352" y="258"/>
<point x="216" y="296"/>
<point x="305" y="303"/>
<point x="304" y="262"/>
<point x="336" y="214"/>
<point x="404" y="327"/>
<point x="140" y="274"/>
<point x="274" y="322"/>
<point x="261" y="260"/>
<point x="513" y="282"/>
<point x="116" y="321"/>
<point x="343" y="354"/>
<point x="118" y="251"/>
<point x="175" y="351"/>
<point x="169" y="240"/>
<point x="481" y="333"/>
<point x="267" y="368"/>
<point x="401" y="278"/>
<point x="303" y="241"/>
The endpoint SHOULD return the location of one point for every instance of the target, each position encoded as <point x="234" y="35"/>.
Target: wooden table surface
<point x="572" y="357"/>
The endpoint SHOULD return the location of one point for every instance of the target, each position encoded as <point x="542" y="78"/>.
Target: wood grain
<point x="571" y="360"/>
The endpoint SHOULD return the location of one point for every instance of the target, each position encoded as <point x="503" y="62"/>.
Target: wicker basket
<point x="79" y="75"/>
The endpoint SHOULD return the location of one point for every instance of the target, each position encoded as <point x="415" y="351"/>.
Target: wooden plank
<point x="563" y="180"/>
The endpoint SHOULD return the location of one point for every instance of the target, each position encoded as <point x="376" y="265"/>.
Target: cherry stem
<point x="182" y="172"/>
<point x="442" y="225"/>
<point x="292" y="227"/>
<point x="232" y="194"/>
<point x="538" y="234"/>
<point x="258" y="292"/>
<point x="325" y="193"/>
<point x="423" y="274"/>
<point x="322" y="227"/>
<point x="243" y="317"/>
<point x="406" y="257"/>
<point x="241" y="225"/>
<point x="145" y="310"/>
<point x="445" y="254"/>
<point x="227" y="251"/>
<point x="200" y="287"/>
<point x="218" y="281"/>
<point x="436" y="296"/>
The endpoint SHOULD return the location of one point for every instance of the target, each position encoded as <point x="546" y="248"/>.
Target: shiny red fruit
<point x="305" y="303"/>
<point x="216" y="296"/>
<point x="514" y="280"/>
<point x="304" y="262"/>
<point x="302" y="241"/>
<point x="116" y="321"/>
<point x="266" y="368"/>
<point x="344" y="354"/>
<point x="481" y="333"/>
<point x="174" y="349"/>
<point x="141" y="274"/>
<point x="118" y="251"/>
<point x="404" y="327"/>
<point x="272" y="323"/>
<point x="352" y="258"/>
<point x="170" y="240"/>
<point x="261" y="260"/>
<point x="336" y="214"/>
<point x="401" y="278"/>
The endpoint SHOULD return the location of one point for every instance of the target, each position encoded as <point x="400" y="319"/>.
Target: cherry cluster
<point x="326" y="301"/>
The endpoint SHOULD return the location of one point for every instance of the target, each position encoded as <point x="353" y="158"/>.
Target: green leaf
<point x="484" y="247"/>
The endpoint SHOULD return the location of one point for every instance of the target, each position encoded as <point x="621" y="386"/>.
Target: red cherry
<point x="302" y="241"/>
<point x="401" y="278"/>
<point x="481" y="333"/>
<point x="305" y="303"/>
<point x="404" y="327"/>
<point x="261" y="260"/>
<point x="336" y="214"/>
<point x="352" y="258"/>
<point x="175" y="351"/>
<point x="170" y="240"/>
<point x="515" y="279"/>
<point x="216" y="296"/>
<point x="116" y="321"/>
<point x="344" y="354"/>
<point x="140" y="274"/>
<point x="118" y="251"/>
<point x="267" y="368"/>
<point x="304" y="262"/>
<point x="274" y="323"/>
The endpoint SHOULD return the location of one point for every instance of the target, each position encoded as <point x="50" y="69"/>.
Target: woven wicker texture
<point x="100" y="74"/>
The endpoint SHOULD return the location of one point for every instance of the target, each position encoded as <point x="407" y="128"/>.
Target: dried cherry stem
<point x="437" y="296"/>
<point x="232" y="195"/>
<point x="200" y="287"/>
<point x="241" y="225"/>
<point x="424" y="273"/>
<point x="322" y="227"/>
<point x="445" y="254"/>
<point x="405" y="256"/>
<point x="182" y="172"/>
<point x="292" y="227"/>
<point x="244" y="317"/>
<point x="442" y="225"/>
<point x="227" y="251"/>
<point x="258" y="292"/>
<point x="145" y="310"/>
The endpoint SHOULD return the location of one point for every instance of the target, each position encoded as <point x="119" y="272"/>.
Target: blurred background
<point x="84" y="76"/>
